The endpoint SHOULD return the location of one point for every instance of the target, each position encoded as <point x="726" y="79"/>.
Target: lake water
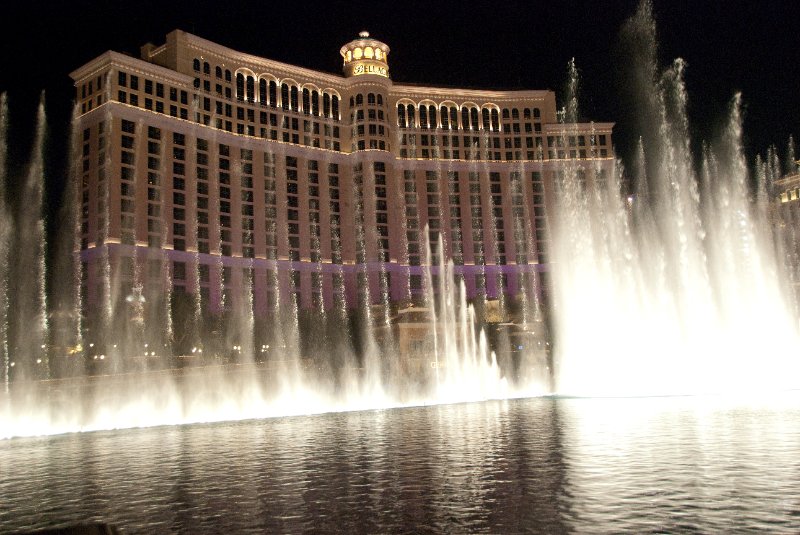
<point x="646" y="465"/>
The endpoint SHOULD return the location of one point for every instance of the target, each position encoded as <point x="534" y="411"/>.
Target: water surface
<point x="677" y="465"/>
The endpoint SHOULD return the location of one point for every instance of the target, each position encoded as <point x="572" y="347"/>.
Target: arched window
<point x="380" y="100"/>
<point x="227" y="75"/>
<point x="371" y="98"/>
<point x="306" y="101"/>
<point x="315" y="103"/>
<point x="262" y="92"/>
<point x="454" y="118"/>
<point x="240" y="86"/>
<point x="285" y="96"/>
<point x="206" y="68"/>
<point x="495" y="121"/>
<point x="486" y="119"/>
<point x="515" y="114"/>
<point x="464" y="118"/>
<point x="401" y="115"/>
<point x="218" y="71"/>
<point x="251" y="88"/>
<point x="326" y="105"/>
<point x="526" y="113"/>
<point x="423" y="117"/>
<point x="432" y="116"/>
<point x="474" y="116"/>
<point x="335" y="107"/>
<point x="273" y="93"/>
<point x="295" y="99"/>
<point x="359" y="99"/>
<point x="506" y="113"/>
<point x="412" y="122"/>
<point x="196" y="64"/>
<point x="536" y="113"/>
<point x="443" y="113"/>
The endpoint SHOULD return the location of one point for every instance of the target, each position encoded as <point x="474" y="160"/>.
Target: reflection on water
<point x="691" y="464"/>
<point x="537" y="465"/>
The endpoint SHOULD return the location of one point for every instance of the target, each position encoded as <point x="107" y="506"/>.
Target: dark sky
<point x="730" y="46"/>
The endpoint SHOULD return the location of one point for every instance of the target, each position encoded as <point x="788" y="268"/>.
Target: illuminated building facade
<point x="784" y="215"/>
<point x="788" y="187"/>
<point x="217" y="173"/>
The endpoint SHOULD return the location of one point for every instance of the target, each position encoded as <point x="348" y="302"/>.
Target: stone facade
<point x="209" y="170"/>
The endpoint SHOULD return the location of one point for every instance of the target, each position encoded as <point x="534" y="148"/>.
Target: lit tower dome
<point x="365" y="55"/>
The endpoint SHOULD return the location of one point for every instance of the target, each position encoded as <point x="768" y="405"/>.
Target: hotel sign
<point x="369" y="68"/>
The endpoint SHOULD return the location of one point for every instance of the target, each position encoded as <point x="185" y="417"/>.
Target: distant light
<point x="13" y="364"/>
<point x="91" y="345"/>
<point x="38" y="361"/>
<point x="43" y="346"/>
<point x="102" y="357"/>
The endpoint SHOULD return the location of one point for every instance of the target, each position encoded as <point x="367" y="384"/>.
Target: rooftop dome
<point x="365" y="56"/>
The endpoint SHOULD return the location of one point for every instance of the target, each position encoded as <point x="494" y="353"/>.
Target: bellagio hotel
<point x="229" y="171"/>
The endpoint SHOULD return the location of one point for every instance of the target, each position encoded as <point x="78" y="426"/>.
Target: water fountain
<point x="25" y="277"/>
<point x="679" y="284"/>
<point x="116" y="391"/>
<point x="670" y="290"/>
<point x="677" y="288"/>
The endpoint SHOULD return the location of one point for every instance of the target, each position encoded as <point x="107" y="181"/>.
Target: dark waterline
<point x="536" y="465"/>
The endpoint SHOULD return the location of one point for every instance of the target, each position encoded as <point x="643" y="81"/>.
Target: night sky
<point x="730" y="46"/>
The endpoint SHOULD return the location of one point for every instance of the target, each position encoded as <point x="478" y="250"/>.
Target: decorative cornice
<point x="421" y="92"/>
<point x="261" y="65"/>
<point x="115" y="59"/>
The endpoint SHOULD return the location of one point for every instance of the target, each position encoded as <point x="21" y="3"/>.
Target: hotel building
<point x="217" y="172"/>
<point x="784" y="215"/>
